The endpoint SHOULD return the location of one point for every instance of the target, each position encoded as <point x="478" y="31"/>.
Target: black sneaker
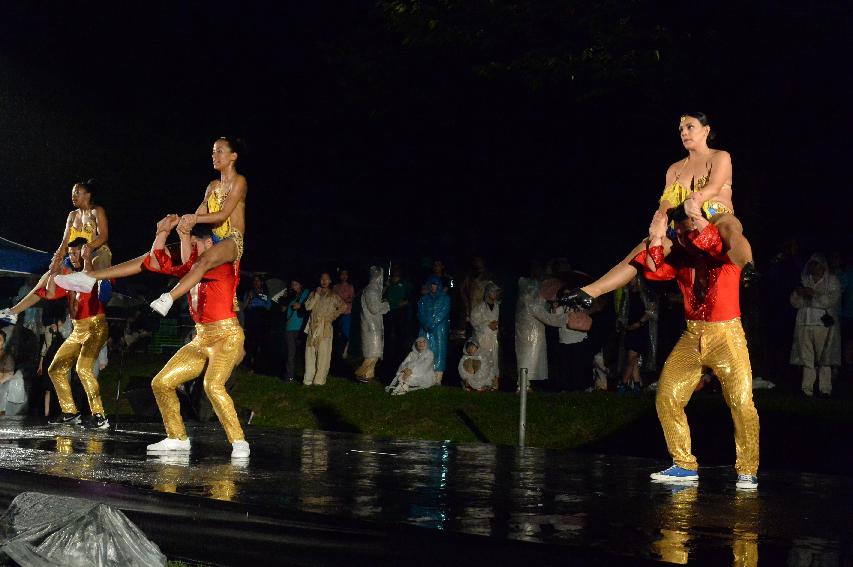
<point x="97" y="421"/>
<point x="63" y="418"/>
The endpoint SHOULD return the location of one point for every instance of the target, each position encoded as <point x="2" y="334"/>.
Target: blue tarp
<point x="19" y="260"/>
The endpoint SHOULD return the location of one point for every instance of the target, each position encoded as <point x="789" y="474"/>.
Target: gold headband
<point x="683" y="119"/>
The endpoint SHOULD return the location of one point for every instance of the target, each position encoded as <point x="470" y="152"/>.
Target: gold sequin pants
<point x="82" y="346"/>
<point x="720" y="346"/>
<point x="220" y="345"/>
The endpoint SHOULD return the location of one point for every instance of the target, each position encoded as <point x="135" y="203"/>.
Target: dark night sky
<point x="449" y="133"/>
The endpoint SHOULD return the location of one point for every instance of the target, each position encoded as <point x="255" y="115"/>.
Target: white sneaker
<point x="747" y="481"/>
<point x="75" y="281"/>
<point x="7" y="316"/>
<point x="169" y="444"/>
<point x="240" y="449"/>
<point x="162" y="304"/>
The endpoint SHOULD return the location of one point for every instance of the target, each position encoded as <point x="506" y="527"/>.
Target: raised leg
<point x="619" y="275"/>
<point x="731" y="232"/>
<point x="221" y="253"/>
<point x="123" y="270"/>
<point x="31" y="298"/>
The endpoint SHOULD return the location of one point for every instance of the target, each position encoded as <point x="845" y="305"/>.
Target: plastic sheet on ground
<point x="43" y="530"/>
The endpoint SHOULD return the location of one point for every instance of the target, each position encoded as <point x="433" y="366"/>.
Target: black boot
<point x="749" y="274"/>
<point x="576" y="299"/>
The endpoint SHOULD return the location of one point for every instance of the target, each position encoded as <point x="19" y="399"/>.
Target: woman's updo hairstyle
<point x="236" y="145"/>
<point x="89" y="186"/>
<point x="703" y="120"/>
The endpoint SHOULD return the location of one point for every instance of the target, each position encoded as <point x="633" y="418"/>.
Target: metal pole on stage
<point x="522" y="414"/>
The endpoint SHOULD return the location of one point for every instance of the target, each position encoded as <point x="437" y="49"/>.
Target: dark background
<point x="378" y="130"/>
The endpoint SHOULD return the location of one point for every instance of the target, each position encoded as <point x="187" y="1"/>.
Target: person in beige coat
<point x="325" y="306"/>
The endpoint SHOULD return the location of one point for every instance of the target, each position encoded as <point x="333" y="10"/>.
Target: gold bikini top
<point x="214" y="205"/>
<point x="701" y="181"/>
<point x="87" y="231"/>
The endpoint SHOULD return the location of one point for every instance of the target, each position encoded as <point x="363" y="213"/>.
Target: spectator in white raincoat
<point x="485" y="317"/>
<point x="372" y="330"/>
<point x="532" y="313"/>
<point x="474" y="368"/>
<point x="817" y="340"/>
<point x="416" y="372"/>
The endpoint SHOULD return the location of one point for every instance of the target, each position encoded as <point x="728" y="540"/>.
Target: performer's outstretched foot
<point x="749" y="274"/>
<point x="169" y="444"/>
<point x="63" y="418"/>
<point x="6" y="316"/>
<point x="240" y="449"/>
<point x="747" y="482"/>
<point x="97" y="421"/>
<point x="675" y="474"/>
<point x="75" y="281"/>
<point x="162" y="304"/>
<point x="577" y="299"/>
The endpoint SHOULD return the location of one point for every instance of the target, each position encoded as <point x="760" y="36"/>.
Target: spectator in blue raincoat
<point x="434" y="320"/>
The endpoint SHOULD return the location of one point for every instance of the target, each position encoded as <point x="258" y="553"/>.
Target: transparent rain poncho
<point x="372" y="310"/>
<point x="43" y="530"/>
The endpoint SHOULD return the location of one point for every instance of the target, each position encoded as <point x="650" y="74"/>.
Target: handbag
<point x="827" y="319"/>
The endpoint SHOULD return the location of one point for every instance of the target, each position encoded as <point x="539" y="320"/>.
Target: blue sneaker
<point x="675" y="474"/>
<point x="747" y="481"/>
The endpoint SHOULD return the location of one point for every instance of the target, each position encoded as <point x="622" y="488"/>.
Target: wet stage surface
<point x="581" y="508"/>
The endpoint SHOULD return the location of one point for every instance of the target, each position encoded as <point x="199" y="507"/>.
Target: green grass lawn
<point x="555" y="421"/>
<point x="795" y="430"/>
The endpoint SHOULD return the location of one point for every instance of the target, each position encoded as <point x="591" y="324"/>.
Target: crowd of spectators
<point x="481" y="330"/>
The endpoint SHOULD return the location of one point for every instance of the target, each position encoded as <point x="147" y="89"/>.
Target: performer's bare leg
<point x="31" y="298"/>
<point x="731" y="231"/>
<point x="123" y="270"/>
<point x="221" y="253"/>
<point x="619" y="275"/>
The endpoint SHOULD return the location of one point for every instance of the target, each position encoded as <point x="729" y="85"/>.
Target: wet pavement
<point x="574" y="501"/>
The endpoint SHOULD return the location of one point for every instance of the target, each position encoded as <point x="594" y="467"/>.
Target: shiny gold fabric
<point x="83" y="346"/>
<point x="678" y="526"/>
<point x="720" y="346"/>
<point x="220" y="344"/>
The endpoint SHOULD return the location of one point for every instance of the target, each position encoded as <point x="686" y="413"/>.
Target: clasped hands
<point x="184" y="223"/>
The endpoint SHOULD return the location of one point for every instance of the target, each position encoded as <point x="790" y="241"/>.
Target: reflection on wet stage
<point x="567" y="503"/>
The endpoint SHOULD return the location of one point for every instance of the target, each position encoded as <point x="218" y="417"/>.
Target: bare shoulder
<point x="673" y="169"/>
<point x="721" y="156"/>
<point x="100" y="211"/>
<point x="210" y="187"/>
<point x="240" y="183"/>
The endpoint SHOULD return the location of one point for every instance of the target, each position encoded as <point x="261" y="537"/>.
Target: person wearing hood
<point x="485" y="316"/>
<point x="817" y="341"/>
<point x="416" y="371"/>
<point x="434" y="319"/>
<point x="531" y="316"/>
<point x="474" y="368"/>
<point x="372" y="329"/>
